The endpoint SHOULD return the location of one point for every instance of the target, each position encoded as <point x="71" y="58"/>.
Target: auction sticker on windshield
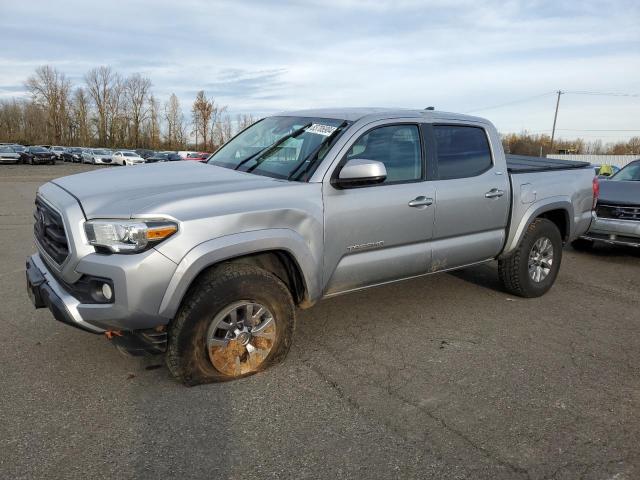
<point x="320" y="129"/>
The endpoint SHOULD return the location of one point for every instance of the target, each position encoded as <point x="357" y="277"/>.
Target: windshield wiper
<point x="313" y="156"/>
<point x="271" y="147"/>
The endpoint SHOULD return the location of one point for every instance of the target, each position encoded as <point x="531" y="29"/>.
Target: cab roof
<point x="372" y="114"/>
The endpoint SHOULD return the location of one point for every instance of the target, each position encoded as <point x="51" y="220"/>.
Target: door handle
<point x="494" y="193"/>
<point x="421" y="201"/>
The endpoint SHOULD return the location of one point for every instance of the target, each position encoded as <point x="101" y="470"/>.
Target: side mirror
<point x="360" y="172"/>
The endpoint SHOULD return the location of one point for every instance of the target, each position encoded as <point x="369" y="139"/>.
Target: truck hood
<point x="619" y="192"/>
<point x="128" y="191"/>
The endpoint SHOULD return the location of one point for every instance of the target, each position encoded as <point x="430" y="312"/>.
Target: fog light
<point x="106" y="291"/>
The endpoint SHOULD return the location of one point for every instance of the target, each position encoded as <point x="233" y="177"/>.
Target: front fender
<point x="231" y="246"/>
<point x="526" y="217"/>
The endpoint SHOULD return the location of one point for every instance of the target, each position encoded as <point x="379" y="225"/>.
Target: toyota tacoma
<point x="207" y="263"/>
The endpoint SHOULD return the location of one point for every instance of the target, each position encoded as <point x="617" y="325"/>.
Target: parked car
<point x="200" y="156"/>
<point x="38" y="154"/>
<point x="206" y="263"/>
<point x="58" y="151"/>
<point x="126" y="157"/>
<point x="184" y="153"/>
<point x="8" y="154"/>
<point x="97" y="156"/>
<point x="18" y="148"/>
<point x="72" y="154"/>
<point x="144" y="152"/>
<point x="163" y="157"/>
<point x="616" y="220"/>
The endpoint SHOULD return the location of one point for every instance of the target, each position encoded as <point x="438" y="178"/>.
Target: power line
<point x="605" y="94"/>
<point x="513" y="102"/>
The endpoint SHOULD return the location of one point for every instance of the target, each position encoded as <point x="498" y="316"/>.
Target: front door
<point x="380" y="233"/>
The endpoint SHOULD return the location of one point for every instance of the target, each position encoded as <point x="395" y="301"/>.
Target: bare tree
<point x="80" y="114"/>
<point x="222" y="130"/>
<point x="117" y="119"/>
<point x="137" y="90"/>
<point x="245" y="120"/>
<point x="174" y="119"/>
<point x="154" y="122"/>
<point x="202" y="111"/>
<point x="99" y="84"/>
<point x="49" y="88"/>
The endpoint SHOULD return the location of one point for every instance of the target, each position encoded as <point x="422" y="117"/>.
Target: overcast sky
<point x="259" y="56"/>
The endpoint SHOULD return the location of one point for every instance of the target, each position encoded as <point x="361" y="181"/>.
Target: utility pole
<point x="555" y="117"/>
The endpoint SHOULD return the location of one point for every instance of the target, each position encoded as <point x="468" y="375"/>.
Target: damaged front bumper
<point x="46" y="292"/>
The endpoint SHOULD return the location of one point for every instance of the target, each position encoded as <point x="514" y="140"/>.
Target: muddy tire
<point x="532" y="269"/>
<point x="236" y="320"/>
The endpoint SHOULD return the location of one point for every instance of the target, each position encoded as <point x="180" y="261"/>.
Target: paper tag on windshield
<point x="324" y="130"/>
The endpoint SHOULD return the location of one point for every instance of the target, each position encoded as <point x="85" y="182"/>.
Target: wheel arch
<point x="559" y="211"/>
<point x="280" y="251"/>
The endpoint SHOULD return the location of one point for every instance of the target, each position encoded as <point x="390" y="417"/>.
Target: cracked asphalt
<point x="440" y="377"/>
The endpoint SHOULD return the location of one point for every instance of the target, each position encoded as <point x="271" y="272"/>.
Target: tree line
<point x="111" y="110"/>
<point x="540" y="144"/>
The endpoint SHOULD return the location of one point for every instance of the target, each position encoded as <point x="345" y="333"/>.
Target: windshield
<point x="6" y="150"/>
<point x="100" y="152"/>
<point x="129" y="154"/>
<point x="38" y="149"/>
<point x="629" y="173"/>
<point x="280" y="147"/>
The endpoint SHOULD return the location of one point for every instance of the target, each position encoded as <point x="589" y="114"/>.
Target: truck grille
<point x="49" y="232"/>
<point x="621" y="212"/>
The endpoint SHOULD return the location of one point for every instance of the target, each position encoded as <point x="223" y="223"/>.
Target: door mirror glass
<point x="359" y="172"/>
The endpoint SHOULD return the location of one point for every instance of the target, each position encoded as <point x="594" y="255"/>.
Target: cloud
<point x="257" y="56"/>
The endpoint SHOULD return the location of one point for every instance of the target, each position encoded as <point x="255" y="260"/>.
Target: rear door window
<point x="461" y="151"/>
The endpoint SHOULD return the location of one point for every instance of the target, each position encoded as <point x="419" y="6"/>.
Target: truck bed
<point x="525" y="164"/>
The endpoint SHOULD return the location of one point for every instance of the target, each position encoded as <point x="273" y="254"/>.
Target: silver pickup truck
<point x="207" y="263"/>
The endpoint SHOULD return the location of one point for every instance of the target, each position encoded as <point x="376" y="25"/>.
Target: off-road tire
<point x="514" y="271"/>
<point x="187" y="357"/>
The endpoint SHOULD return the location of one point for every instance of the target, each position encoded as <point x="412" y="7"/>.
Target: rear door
<point x="379" y="233"/>
<point x="472" y="196"/>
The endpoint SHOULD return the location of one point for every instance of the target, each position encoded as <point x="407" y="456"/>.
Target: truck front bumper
<point x="45" y="292"/>
<point x="138" y="283"/>
<point x="614" y="231"/>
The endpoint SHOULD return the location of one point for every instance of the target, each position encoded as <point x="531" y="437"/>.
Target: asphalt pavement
<point x="440" y="377"/>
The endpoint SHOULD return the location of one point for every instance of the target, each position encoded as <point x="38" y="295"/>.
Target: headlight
<point x="128" y="236"/>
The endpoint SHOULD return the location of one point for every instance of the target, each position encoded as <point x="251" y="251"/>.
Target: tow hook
<point x="139" y="342"/>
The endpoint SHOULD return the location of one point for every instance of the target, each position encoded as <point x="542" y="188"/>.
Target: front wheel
<point x="532" y="269"/>
<point x="235" y="321"/>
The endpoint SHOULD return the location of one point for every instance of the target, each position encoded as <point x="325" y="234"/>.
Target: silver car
<point x="97" y="156"/>
<point x="8" y="154"/>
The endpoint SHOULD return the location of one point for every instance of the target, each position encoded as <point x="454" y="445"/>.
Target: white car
<point x="125" y="157"/>
<point x="185" y="153"/>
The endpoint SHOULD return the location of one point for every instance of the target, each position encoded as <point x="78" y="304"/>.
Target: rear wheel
<point x="236" y="321"/>
<point x="532" y="269"/>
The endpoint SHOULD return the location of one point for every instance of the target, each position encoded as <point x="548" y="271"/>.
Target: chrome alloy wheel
<point x="540" y="259"/>
<point x="240" y="337"/>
